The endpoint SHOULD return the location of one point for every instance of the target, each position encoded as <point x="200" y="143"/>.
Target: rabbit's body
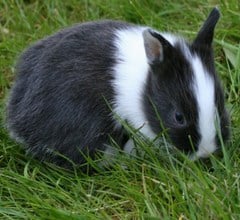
<point x="70" y="87"/>
<point x="61" y="86"/>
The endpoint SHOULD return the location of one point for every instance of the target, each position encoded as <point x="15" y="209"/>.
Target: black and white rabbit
<point x="70" y="86"/>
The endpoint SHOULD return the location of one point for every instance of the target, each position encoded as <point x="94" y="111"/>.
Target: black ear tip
<point x="205" y="35"/>
<point x="215" y="13"/>
<point x="216" y="9"/>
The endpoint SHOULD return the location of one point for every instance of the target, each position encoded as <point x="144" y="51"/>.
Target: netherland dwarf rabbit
<point x="70" y="86"/>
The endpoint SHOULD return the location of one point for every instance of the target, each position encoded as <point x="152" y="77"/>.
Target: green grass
<point x="157" y="186"/>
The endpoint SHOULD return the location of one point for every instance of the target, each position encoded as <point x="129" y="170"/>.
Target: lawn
<point x="156" y="186"/>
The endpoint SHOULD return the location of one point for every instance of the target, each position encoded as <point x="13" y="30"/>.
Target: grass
<point x="157" y="186"/>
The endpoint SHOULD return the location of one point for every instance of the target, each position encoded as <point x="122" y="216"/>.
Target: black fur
<point x="169" y="90"/>
<point x="205" y="35"/>
<point x="59" y="99"/>
<point x="202" y="46"/>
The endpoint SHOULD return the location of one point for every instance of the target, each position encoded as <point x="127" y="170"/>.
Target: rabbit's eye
<point x="179" y="118"/>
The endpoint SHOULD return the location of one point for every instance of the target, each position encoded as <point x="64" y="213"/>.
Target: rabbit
<point x="70" y="87"/>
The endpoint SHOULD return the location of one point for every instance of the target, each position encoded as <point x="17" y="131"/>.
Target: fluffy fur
<point x="70" y="87"/>
<point x="130" y="75"/>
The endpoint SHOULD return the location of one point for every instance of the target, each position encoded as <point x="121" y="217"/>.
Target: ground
<point x="158" y="186"/>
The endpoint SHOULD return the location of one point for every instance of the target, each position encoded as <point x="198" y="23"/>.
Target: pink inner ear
<point x="153" y="47"/>
<point x="155" y="50"/>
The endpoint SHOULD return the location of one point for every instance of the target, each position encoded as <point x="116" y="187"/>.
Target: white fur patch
<point x="204" y="92"/>
<point x="129" y="147"/>
<point x="109" y="157"/>
<point x="172" y="39"/>
<point x="130" y="77"/>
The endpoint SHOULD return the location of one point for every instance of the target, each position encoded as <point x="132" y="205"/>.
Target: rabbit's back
<point x="63" y="87"/>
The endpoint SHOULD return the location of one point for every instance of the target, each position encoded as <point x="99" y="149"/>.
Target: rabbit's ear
<point x="156" y="46"/>
<point x="205" y="35"/>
